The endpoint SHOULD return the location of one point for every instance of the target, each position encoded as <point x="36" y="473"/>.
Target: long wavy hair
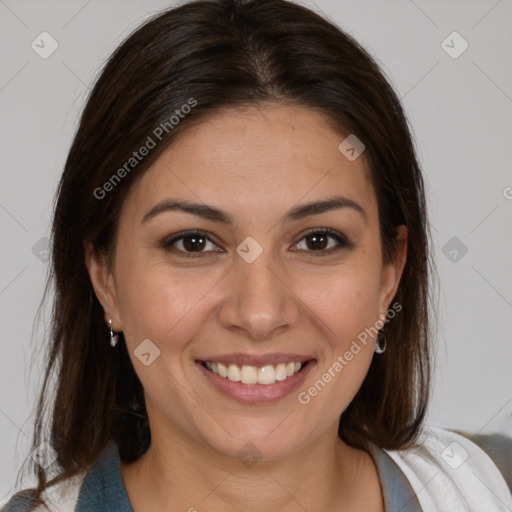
<point x="221" y="53"/>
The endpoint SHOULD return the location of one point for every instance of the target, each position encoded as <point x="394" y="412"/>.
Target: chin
<point x="255" y="440"/>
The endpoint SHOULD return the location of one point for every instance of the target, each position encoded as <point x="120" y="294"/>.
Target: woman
<point x="241" y="262"/>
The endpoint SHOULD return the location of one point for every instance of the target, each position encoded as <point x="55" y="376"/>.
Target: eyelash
<point x="342" y="241"/>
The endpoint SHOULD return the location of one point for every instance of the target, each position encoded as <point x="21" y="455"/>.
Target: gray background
<point x="459" y="108"/>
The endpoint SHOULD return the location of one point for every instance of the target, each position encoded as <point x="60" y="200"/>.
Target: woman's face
<point x="256" y="291"/>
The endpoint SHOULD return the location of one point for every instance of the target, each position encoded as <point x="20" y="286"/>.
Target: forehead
<point x="255" y="161"/>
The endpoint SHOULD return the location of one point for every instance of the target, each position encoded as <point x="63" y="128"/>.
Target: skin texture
<point x="255" y="164"/>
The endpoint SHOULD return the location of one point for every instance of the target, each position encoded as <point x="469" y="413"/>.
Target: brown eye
<point x="189" y="243"/>
<point x="194" y="242"/>
<point x="318" y="241"/>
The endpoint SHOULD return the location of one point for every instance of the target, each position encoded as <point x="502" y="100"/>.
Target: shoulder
<point x="61" y="497"/>
<point x="99" y="487"/>
<point x="450" y="472"/>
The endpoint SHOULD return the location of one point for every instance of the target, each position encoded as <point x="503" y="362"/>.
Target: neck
<point x="178" y="473"/>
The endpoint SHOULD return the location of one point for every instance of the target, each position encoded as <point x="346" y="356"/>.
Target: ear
<point x="392" y="272"/>
<point x="103" y="283"/>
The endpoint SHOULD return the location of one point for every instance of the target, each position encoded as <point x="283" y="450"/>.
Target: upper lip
<point x="257" y="360"/>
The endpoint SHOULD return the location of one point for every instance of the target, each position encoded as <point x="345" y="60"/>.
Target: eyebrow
<point x="212" y="213"/>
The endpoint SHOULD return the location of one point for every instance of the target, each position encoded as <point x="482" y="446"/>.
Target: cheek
<point x="159" y="302"/>
<point x="345" y="303"/>
<point x="165" y="306"/>
<point x="347" y="313"/>
<point x="345" y="299"/>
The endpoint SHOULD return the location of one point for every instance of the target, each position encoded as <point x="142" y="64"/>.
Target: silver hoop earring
<point x="381" y="344"/>
<point x="114" y="338"/>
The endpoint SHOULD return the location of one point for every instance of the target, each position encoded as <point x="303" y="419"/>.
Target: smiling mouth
<point x="246" y="374"/>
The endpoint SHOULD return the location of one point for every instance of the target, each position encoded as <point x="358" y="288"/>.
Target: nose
<point x="258" y="301"/>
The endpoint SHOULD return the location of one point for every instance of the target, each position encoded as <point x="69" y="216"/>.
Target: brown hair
<point x="222" y="53"/>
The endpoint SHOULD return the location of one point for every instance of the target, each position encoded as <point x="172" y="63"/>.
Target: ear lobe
<point x="392" y="272"/>
<point x="103" y="283"/>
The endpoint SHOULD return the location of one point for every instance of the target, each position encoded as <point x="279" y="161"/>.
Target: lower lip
<point x="257" y="393"/>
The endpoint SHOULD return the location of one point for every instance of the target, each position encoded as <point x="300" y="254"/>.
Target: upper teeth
<point x="253" y="375"/>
